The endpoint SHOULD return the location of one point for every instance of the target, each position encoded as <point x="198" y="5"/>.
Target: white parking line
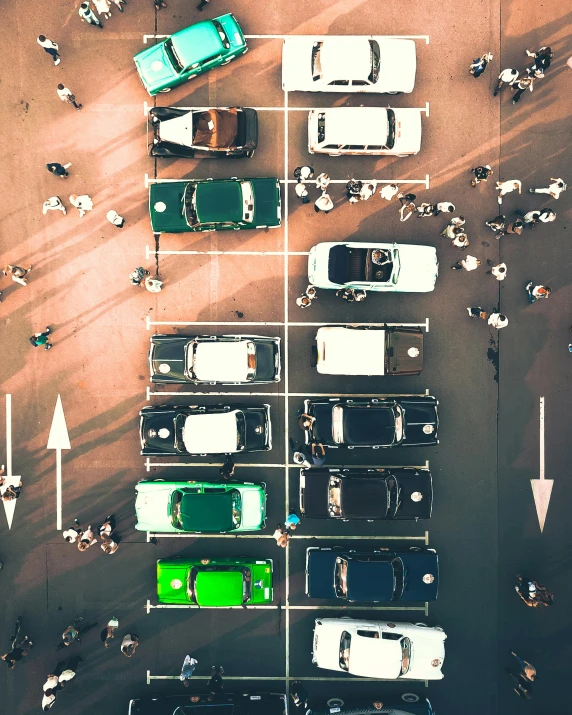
<point x="254" y="678"/>
<point x="207" y="677"/>
<point x="346" y="607"/>
<point x="283" y="37"/>
<point x="261" y="465"/>
<point x="149" y="252"/>
<point x="286" y="180"/>
<point x="295" y="324"/>
<point x="191" y="606"/>
<point x="317" y="537"/>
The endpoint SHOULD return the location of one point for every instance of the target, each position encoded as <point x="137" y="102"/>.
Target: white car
<point x="352" y="350"/>
<point x="364" y="131"/>
<point x="348" y="64"/>
<point x="378" y="267"/>
<point x="378" y="649"/>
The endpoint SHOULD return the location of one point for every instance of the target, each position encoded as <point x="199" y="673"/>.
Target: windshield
<point x="394" y="496"/>
<point x="345" y="641"/>
<point x="317" y="61"/>
<point x="335" y="496"/>
<point x="190" y="205"/>
<point x="374" y="51"/>
<point x="396" y="266"/>
<point x="390" y="129"/>
<point x="247" y="201"/>
<point x="405" y="655"/>
<point x="236" y="508"/>
<point x="398" y="579"/>
<point x="246" y="584"/>
<point x="251" y="360"/>
<point x="341" y="578"/>
<point x="338" y="424"/>
<point x="398" y="424"/>
<point x="222" y="34"/>
<point x="171" y="53"/>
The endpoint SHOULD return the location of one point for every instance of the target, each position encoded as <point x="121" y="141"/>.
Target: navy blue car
<point x="373" y="576"/>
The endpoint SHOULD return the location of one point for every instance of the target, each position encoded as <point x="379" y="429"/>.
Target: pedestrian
<point x="10" y="491"/>
<point x="108" y="526"/>
<point x="159" y="4"/>
<point x="18" y="652"/>
<point x="359" y="295"/>
<point x="478" y="313"/>
<point x="227" y="470"/>
<point x="153" y="285"/>
<point x="497" y="320"/>
<point x="497" y="224"/>
<point x="508" y="76"/>
<point x="526" y="669"/>
<point x="281" y="536"/>
<point x="68" y="674"/>
<point x="318" y="454"/>
<point x="389" y="191"/>
<point x="425" y="209"/>
<point x="353" y="189"/>
<point x="469" y="263"/>
<point x="292" y="520"/>
<point x="48" y="699"/>
<point x="108" y="546"/>
<point x="50" y="47"/>
<point x="547" y="215"/>
<point x="215" y="683"/>
<point x="554" y="189"/>
<point x="479" y="65"/>
<point x="189" y="665"/>
<point x="300" y="459"/>
<point x="523" y="687"/>
<point x="498" y="271"/>
<point x="323" y="203"/>
<point x="367" y="190"/>
<point x="322" y="181"/>
<point x="51" y="683"/>
<point x="137" y="276"/>
<point x="302" y="192"/>
<point x="311" y="292"/>
<point x="66" y="95"/>
<point x="304" y="301"/>
<point x="452" y="228"/>
<point x="536" y="292"/>
<point x="524" y="83"/>
<point x="103" y="7"/>
<point x="108" y="633"/>
<point x="17" y="272"/>
<point x="202" y="4"/>
<point x="305" y="421"/>
<point x="60" y="170"/>
<point x="120" y="4"/>
<point x="516" y="226"/>
<point x="481" y="173"/>
<point x="408" y="207"/>
<point x="542" y="57"/>
<point x="303" y="173"/>
<point x="83" y="203"/>
<point x="72" y="534"/>
<point x="299" y="695"/>
<point x="38" y="339"/>
<point x="444" y="207"/>
<point x="505" y="187"/>
<point x="114" y="218"/>
<point x="87" y="15"/>
<point x="129" y="645"/>
<point x="87" y="539"/>
<point x="530" y="218"/>
<point x="54" y="203"/>
<point x="347" y="294"/>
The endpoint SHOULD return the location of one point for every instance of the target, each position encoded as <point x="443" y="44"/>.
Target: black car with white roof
<point x="212" y="359"/>
<point x="208" y="429"/>
<point x="371" y="494"/>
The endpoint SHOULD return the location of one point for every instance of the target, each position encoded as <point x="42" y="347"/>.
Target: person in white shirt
<point x="189" y="665"/>
<point x="498" y="271"/>
<point x="444" y="207"/>
<point x="302" y="192"/>
<point x="48" y="700"/>
<point x="505" y="187"/>
<point x="323" y="203"/>
<point x="83" y="203"/>
<point x="66" y="95"/>
<point x="103" y="7"/>
<point x="554" y="189"/>
<point x="469" y="263"/>
<point x="72" y="534"/>
<point x="389" y="191"/>
<point x="153" y="285"/>
<point x="497" y="320"/>
<point x="50" y="47"/>
<point x="322" y="181"/>
<point x="114" y="218"/>
<point x="51" y="683"/>
<point x="54" y="203"/>
<point x="508" y="76"/>
<point x="367" y="191"/>
<point x="87" y="15"/>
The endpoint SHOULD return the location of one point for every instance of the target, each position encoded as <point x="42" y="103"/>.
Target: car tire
<point x="163" y="91"/>
<point x="335" y="703"/>
<point x="410" y="698"/>
<point x="158" y="480"/>
<point x="421" y="625"/>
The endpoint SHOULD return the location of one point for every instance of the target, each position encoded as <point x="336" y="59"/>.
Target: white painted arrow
<point x="541" y="488"/>
<point x="58" y="440"/>
<point x="10" y="479"/>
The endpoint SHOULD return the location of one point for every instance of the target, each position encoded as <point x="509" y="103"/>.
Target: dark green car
<point x="189" y="53"/>
<point x="214" y="205"/>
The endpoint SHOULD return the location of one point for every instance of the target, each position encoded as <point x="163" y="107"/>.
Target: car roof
<point x="351" y="351"/>
<point x="364" y="497"/>
<point x="368" y="424"/>
<point x="375" y="657"/>
<point x="345" y="58"/>
<point x="355" y="125"/>
<point x="219" y="588"/>
<point x="207" y="512"/>
<point x="197" y="42"/>
<point x="214" y="433"/>
<point x="218" y="201"/>
<point x="369" y="580"/>
<point x="221" y="361"/>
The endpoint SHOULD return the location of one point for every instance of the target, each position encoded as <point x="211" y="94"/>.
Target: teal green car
<point x="189" y="53"/>
<point x="214" y="582"/>
<point x="199" y="507"/>
<point x="214" y="205"/>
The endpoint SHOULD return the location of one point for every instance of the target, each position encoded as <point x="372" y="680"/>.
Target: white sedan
<point x="378" y="267"/>
<point x="378" y="649"/>
<point x="348" y="64"/>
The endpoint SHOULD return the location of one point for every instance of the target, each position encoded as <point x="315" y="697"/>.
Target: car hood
<point x="153" y="508"/>
<point x="154" y="67"/>
<point x="267" y="209"/>
<point x="407" y="131"/>
<point x="424" y="652"/>
<point x="253" y="508"/>
<point x="419" y="269"/>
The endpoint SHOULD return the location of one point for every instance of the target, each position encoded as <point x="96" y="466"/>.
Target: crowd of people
<point x="86" y="538"/>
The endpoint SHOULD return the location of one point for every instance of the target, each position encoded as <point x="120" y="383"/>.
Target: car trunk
<point x="404" y="351"/>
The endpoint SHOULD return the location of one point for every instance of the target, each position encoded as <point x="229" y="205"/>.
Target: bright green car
<point x="214" y="205"/>
<point x="214" y="582"/>
<point x="199" y="507"/>
<point x="190" y="52"/>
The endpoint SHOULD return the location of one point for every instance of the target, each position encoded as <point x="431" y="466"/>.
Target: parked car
<point x="364" y="131"/>
<point x="243" y="703"/>
<point x="209" y="132"/>
<point x="214" y="205"/>
<point x="214" y="582"/>
<point x="348" y="63"/>
<point x="199" y="507"/>
<point x="205" y="429"/>
<point x="189" y="53"/>
<point x="212" y="359"/>
<point x="353" y="350"/>
<point x="379" y="649"/>
<point x="374" y="576"/>
<point x="384" y="493"/>
<point x="384" y="421"/>
<point x="378" y="267"/>
<point x="407" y="704"/>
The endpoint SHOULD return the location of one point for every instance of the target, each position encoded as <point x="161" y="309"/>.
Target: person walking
<point x="113" y="217"/>
<point x="38" y="339"/>
<point x="318" y="454"/>
<point x="303" y="301"/>
<point x="515" y="227"/>
<point x="461" y="240"/>
<point x="87" y="539"/>
<point x="322" y="181"/>
<point x="107" y="527"/>
<point x="451" y="229"/>
<point x="11" y="491"/>
<point x="497" y="320"/>
<point x="83" y="203"/>
<point x="50" y="47"/>
<point x="60" y="170"/>
<point x="153" y="285"/>
<point x="505" y="187"/>
<point x="554" y="189"/>
<point x="526" y="669"/>
<point x="301" y="192"/>
<point x="303" y="173"/>
<point x="479" y="65"/>
<point x="547" y="215"/>
<point x="129" y="645"/>
<point x="536" y="292"/>
<point x="87" y="15"/>
<point x="108" y="633"/>
<point x="159" y="4"/>
<point x="66" y="95"/>
<point x="18" y="652"/>
<point x="443" y="207"/>
<point x="524" y="83"/>
<point x="478" y="313"/>
<point x="281" y="536"/>
<point x="469" y="263"/>
<point x="497" y="224"/>
<point x="353" y="189"/>
<point x="215" y="684"/>
<point x="108" y="545"/>
<point x="408" y="207"/>
<point x="189" y="665"/>
<point x="498" y="271"/>
<point x="74" y="533"/>
<point x="389" y="191"/>
<point x="542" y="57"/>
<point x="54" y="203"/>
<point x="52" y="683"/>
<point x="508" y="76"/>
<point x="299" y="696"/>
<point x="530" y="218"/>
<point x="367" y="190"/>
<point x="103" y="7"/>
<point x="323" y="203"/>
<point x="137" y="276"/>
<point x="17" y="272"/>
<point x="120" y="4"/>
<point x="481" y="173"/>
<point x="202" y="4"/>
<point x="227" y="470"/>
<point x="300" y="458"/>
<point x="292" y="520"/>
<point x="425" y="209"/>
<point x="48" y="699"/>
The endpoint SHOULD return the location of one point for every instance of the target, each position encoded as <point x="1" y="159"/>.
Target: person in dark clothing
<point x="215" y="685"/>
<point x="353" y="189"/>
<point x="137" y="276"/>
<point x="542" y="58"/>
<point x="227" y="470"/>
<point x="202" y="4"/>
<point x="60" y="170"/>
<point x="299" y="695"/>
<point x="524" y="83"/>
<point x="318" y="454"/>
<point x="479" y="65"/>
<point x="481" y="173"/>
<point x="17" y="653"/>
<point x="38" y="339"/>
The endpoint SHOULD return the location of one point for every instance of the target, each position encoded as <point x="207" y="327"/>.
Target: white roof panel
<point x="345" y="58"/>
<point x="367" y="125"/>
<point x="178" y="130"/>
<point x="221" y="361"/>
<point x="350" y="351"/>
<point x="375" y="657"/>
<point x="211" y="433"/>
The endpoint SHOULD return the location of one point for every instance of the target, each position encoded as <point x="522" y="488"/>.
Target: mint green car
<point x="199" y="507"/>
<point x="189" y="53"/>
